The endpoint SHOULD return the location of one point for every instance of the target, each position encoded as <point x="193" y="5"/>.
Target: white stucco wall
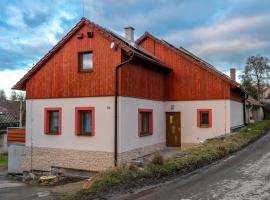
<point x="254" y="113"/>
<point x="104" y="124"/>
<point x="237" y="116"/>
<point x="128" y="138"/>
<point x="128" y="123"/>
<point x="258" y="112"/>
<point x="190" y="133"/>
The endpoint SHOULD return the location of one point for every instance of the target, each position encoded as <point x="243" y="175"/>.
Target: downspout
<point x="244" y="106"/>
<point x="117" y="67"/>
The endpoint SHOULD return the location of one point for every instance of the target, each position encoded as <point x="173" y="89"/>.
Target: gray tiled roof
<point x="6" y="118"/>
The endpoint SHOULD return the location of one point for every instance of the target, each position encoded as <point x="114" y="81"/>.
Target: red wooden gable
<point x="158" y="71"/>
<point x="192" y="78"/>
<point x="110" y="36"/>
<point x="56" y="75"/>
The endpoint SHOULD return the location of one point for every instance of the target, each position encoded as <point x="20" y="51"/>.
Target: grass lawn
<point x="3" y="160"/>
<point x="193" y="158"/>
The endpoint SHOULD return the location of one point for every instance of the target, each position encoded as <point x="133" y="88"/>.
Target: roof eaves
<point x="206" y="65"/>
<point x="127" y="46"/>
<point x="20" y="85"/>
<point x="161" y="65"/>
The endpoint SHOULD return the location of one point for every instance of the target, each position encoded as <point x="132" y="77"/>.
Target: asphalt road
<point x="11" y="189"/>
<point x="243" y="176"/>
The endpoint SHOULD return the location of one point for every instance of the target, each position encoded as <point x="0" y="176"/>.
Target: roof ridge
<point x="206" y="63"/>
<point x="56" y="47"/>
<point x="107" y="33"/>
<point x="51" y="52"/>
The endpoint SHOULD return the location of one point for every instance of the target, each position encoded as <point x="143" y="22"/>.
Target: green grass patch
<point x="193" y="158"/>
<point x="4" y="160"/>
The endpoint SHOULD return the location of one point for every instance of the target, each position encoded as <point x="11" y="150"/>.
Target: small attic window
<point x="86" y="61"/>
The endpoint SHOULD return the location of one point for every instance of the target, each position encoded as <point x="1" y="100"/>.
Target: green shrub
<point x="157" y="159"/>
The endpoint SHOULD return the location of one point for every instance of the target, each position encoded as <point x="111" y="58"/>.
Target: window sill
<point x="84" y="135"/>
<point x="204" y="126"/>
<point x="52" y="133"/>
<point x="85" y="70"/>
<point x="145" y="134"/>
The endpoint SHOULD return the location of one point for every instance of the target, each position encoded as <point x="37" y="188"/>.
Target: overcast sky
<point x="223" y="32"/>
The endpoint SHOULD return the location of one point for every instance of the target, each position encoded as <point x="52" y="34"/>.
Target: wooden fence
<point x="16" y="135"/>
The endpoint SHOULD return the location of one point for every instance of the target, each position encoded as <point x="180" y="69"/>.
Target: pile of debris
<point x="50" y="180"/>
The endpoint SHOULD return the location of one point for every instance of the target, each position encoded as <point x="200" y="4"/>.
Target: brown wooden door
<point x="173" y="129"/>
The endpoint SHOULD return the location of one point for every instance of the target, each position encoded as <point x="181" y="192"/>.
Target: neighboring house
<point x="165" y="96"/>
<point x="254" y="110"/>
<point x="266" y="92"/>
<point x="266" y="101"/>
<point x="7" y="119"/>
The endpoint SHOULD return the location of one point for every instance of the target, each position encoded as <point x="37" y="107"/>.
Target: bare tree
<point x="21" y="96"/>
<point x="258" y="71"/>
<point x="13" y="96"/>
<point x="246" y="82"/>
<point x="17" y="96"/>
<point x="3" y="96"/>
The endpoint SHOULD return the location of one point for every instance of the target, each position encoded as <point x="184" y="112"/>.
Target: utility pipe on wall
<point x="116" y="78"/>
<point x="244" y="109"/>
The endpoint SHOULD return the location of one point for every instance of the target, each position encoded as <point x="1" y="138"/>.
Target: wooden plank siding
<point x="16" y="135"/>
<point x="59" y="77"/>
<point x="236" y="95"/>
<point x="188" y="81"/>
<point x="138" y="80"/>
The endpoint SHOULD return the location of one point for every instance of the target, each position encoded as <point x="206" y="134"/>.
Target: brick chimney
<point x="129" y="33"/>
<point x="233" y="74"/>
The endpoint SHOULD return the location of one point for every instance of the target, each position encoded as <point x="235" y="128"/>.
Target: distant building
<point x="254" y="110"/>
<point x="98" y="99"/>
<point x="7" y="119"/>
<point x="266" y="92"/>
<point x="266" y="101"/>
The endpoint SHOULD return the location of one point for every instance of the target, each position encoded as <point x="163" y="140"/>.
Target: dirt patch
<point x="68" y="187"/>
<point x="3" y="171"/>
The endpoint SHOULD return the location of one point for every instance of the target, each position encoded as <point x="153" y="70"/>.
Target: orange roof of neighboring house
<point x="188" y="54"/>
<point x="3" y="109"/>
<point x="6" y="117"/>
<point x="120" y="41"/>
<point x="265" y="88"/>
<point x="253" y="101"/>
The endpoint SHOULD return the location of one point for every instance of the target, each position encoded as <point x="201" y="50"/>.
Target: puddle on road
<point x="43" y="194"/>
<point x="6" y="184"/>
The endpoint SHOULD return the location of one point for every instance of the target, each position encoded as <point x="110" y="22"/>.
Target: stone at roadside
<point x="27" y="177"/>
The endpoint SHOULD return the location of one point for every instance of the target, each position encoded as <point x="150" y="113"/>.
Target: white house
<point x="98" y="99"/>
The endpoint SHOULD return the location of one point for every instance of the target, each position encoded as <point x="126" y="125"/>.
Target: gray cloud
<point x="222" y="32"/>
<point x="228" y="41"/>
<point x="28" y="31"/>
